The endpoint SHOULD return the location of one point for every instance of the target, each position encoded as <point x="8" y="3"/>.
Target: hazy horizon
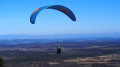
<point x="63" y="36"/>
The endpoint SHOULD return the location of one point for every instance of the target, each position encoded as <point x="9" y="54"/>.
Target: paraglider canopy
<point x="60" y="8"/>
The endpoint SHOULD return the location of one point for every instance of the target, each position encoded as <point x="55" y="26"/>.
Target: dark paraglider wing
<point x="65" y="10"/>
<point x="60" y="8"/>
<point x="35" y="13"/>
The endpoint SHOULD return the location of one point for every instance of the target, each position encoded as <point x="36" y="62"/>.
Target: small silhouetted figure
<point x="59" y="50"/>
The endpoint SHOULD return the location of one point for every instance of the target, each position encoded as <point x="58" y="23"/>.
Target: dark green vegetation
<point x="93" y="53"/>
<point x="1" y="62"/>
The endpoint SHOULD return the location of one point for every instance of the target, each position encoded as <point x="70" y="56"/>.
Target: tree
<point x="1" y="62"/>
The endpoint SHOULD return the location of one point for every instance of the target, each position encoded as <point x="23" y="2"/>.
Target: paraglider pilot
<point x="59" y="50"/>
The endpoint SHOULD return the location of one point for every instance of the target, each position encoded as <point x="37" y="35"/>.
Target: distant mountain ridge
<point x="25" y="39"/>
<point x="61" y="36"/>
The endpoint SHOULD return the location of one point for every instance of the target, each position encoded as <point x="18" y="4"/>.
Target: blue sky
<point x="93" y="16"/>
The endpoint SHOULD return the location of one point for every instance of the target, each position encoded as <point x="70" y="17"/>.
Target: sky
<point x="93" y="16"/>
